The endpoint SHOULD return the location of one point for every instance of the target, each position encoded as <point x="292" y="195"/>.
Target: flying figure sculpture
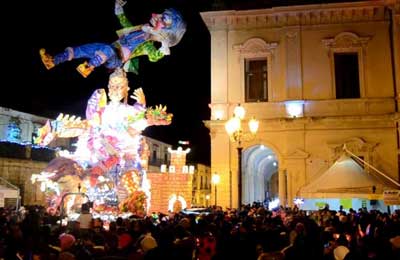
<point x="166" y="28"/>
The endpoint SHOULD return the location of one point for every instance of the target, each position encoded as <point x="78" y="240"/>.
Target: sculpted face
<point x="167" y="27"/>
<point x="118" y="86"/>
<point x="117" y="92"/>
<point x="159" y="21"/>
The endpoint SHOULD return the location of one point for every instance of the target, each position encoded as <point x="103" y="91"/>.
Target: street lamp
<point x="215" y="180"/>
<point x="235" y="131"/>
<point x="207" y="199"/>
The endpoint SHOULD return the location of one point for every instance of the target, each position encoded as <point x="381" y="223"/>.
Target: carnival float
<point x="108" y="167"/>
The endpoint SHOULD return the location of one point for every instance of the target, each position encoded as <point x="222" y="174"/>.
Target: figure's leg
<point x="66" y="55"/>
<point x="113" y="62"/>
<point x="97" y="53"/>
<point x="50" y="61"/>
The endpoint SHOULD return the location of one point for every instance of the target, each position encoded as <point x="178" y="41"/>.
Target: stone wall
<point x="19" y="172"/>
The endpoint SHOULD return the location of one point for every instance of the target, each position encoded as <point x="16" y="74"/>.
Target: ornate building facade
<point x="16" y="126"/>
<point x="18" y="158"/>
<point x="159" y="154"/>
<point x="201" y="186"/>
<point x="317" y="77"/>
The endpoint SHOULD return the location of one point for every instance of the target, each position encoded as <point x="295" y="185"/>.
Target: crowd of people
<point x="253" y="232"/>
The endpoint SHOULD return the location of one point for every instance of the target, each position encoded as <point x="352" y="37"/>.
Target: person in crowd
<point x="85" y="219"/>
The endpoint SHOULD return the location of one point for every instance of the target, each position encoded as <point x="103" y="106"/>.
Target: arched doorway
<point x="260" y="174"/>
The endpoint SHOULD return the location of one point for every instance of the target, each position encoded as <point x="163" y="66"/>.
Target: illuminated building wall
<point x="158" y="154"/>
<point x="303" y="48"/>
<point x="172" y="189"/>
<point x="27" y="125"/>
<point x="165" y="185"/>
<point x="18" y="172"/>
<point x="202" y="185"/>
<point x="21" y="161"/>
<point x="178" y="158"/>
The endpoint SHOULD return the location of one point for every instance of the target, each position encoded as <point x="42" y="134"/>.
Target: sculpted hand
<point x="138" y="95"/>
<point x="147" y="28"/>
<point x="118" y="7"/>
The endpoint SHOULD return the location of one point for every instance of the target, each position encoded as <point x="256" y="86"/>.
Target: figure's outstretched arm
<point x="158" y="116"/>
<point x="119" y="12"/>
<point x="70" y="126"/>
<point x="64" y="126"/>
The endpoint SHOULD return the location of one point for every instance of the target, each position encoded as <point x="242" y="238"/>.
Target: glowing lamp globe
<point x="253" y="125"/>
<point x="218" y="114"/>
<point x="215" y="179"/>
<point x="232" y="125"/>
<point x="239" y="111"/>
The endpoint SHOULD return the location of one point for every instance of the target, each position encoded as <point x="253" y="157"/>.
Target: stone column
<point x="394" y="7"/>
<point x="282" y="187"/>
<point x="396" y="60"/>
<point x="293" y="64"/>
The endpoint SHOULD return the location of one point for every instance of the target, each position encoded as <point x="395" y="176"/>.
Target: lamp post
<point x="207" y="199"/>
<point x="236" y="133"/>
<point x="215" y="180"/>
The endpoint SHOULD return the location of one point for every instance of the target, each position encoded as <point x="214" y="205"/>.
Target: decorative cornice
<point x="338" y="13"/>
<point x="346" y="40"/>
<point x="255" y="47"/>
<point x="297" y="154"/>
<point x="355" y="144"/>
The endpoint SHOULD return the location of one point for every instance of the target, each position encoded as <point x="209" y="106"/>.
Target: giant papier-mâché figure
<point x="111" y="156"/>
<point x="166" y="28"/>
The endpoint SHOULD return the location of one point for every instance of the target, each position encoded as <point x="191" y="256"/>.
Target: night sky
<point x="181" y="81"/>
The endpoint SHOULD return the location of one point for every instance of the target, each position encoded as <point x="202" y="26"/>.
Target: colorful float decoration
<point x="110" y="161"/>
